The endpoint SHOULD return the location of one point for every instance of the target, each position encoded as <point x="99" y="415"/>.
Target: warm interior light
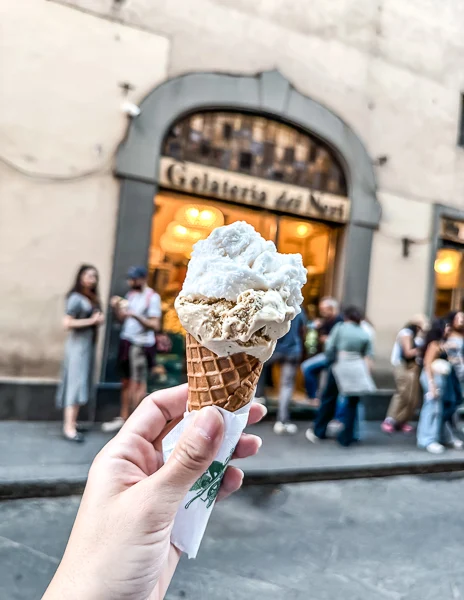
<point x="444" y="266"/>
<point x="303" y="230"/>
<point x="179" y="230"/>
<point x="173" y="245"/>
<point x="200" y="216"/>
<point x="447" y="262"/>
<point x="447" y="268"/>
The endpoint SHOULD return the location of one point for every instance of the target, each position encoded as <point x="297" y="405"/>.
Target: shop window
<point x="180" y="220"/>
<point x="227" y="131"/>
<point x="248" y="143"/>
<point x="449" y="280"/>
<point x="246" y="161"/>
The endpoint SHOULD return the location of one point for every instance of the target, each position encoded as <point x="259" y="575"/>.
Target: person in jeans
<point x="442" y="391"/>
<point x="348" y="338"/>
<point x="336" y="425"/>
<point x="406" y="370"/>
<point x="312" y="368"/>
<point x="140" y="315"/>
<point x="288" y="354"/>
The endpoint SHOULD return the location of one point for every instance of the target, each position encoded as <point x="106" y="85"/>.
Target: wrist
<point x="72" y="585"/>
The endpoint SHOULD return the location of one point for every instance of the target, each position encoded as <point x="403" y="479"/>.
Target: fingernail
<point x="209" y="422"/>
<point x="260" y="441"/>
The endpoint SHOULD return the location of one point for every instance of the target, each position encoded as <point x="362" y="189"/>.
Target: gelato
<point x="240" y="294"/>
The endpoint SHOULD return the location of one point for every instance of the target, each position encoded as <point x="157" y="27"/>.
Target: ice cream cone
<point x="228" y="382"/>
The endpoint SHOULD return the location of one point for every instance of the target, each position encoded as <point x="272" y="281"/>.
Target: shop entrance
<point x="181" y="220"/>
<point x="252" y="143"/>
<point x="219" y="167"/>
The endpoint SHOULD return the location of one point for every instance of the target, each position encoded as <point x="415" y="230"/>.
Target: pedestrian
<point x="336" y="425"/>
<point x="313" y="367"/>
<point x="82" y="319"/>
<point x="441" y="387"/>
<point x="349" y="349"/>
<point x="405" y="359"/>
<point x="120" y="545"/>
<point x="140" y="315"/>
<point x="288" y="354"/>
<point x="454" y="344"/>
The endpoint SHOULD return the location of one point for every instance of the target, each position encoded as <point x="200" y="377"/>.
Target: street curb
<point x="52" y="488"/>
<point x="339" y="473"/>
<point x="42" y="488"/>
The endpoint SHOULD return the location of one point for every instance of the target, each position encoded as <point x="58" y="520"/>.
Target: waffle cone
<point x="228" y="382"/>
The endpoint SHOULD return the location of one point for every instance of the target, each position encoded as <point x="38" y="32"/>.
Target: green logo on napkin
<point x="209" y="483"/>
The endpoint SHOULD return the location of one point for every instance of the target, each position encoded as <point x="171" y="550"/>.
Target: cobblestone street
<point x="359" y="540"/>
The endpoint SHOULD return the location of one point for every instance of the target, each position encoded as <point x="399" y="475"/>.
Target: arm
<point x="118" y="311"/>
<point x="147" y="322"/>
<point x="431" y="354"/>
<point x="153" y="318"/>
<point x="369" y="354"/>
<point x="303" y="330"/>
<point x="73" y="309"/>
<point x="330" y="348"/>
<point x="72" y="323"/>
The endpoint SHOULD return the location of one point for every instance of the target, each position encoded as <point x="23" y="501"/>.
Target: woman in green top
<point x="348" y="343"/>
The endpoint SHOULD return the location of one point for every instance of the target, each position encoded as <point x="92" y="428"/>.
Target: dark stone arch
<point x="269" y="93"/>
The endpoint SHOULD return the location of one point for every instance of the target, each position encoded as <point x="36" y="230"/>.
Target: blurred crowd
<point x="330" y="355"/>
<point x="428" y="368"/>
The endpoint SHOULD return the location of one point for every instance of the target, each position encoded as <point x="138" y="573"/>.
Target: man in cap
<point x="140" y="315"/>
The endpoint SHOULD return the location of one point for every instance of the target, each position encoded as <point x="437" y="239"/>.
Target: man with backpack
<point x="140" y="315"/>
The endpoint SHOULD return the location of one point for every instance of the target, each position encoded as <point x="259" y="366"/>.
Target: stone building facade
<point x="379" y="83"/>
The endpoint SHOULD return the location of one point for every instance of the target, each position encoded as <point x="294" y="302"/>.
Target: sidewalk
<point x="36" y="461"/>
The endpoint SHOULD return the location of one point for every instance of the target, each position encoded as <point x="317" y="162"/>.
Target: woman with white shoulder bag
<point x="349" y="349"/>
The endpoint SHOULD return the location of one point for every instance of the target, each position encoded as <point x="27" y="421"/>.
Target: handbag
<point x="163" y="343"/>
<point x="351" y="372"/>
<point x="352" y="376"/>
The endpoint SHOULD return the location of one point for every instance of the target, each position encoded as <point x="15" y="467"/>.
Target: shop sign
<point x="237" y="187"/>
<point x="452" y="230"/>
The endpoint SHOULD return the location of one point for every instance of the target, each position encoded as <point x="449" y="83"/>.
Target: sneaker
<point x="311" y="436"/>
<point x="260" y="400"/>
<point x="435" y="448"/>
<point x="114" y="425"/>
<point x="406" y="428"/>
<point x="457" y="445"/>
<point x="285" y="428"/>
<point x="334" y="428"/>
<point x="387" y="427"/>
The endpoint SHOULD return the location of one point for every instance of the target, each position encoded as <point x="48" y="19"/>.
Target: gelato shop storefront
<point x="218" y="162"/>
<point x="222" y="167"/>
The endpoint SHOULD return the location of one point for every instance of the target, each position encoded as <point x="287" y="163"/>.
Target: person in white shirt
<point x="405" y="356"/>
<point x="140" y="315"/>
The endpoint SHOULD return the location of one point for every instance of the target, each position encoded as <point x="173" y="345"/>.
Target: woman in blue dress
<point x="82" y="319"/>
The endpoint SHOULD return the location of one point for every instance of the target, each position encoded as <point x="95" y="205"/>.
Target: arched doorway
<point x="147" y="154"/>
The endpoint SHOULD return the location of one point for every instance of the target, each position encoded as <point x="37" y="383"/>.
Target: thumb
<point x="192" y="455"/>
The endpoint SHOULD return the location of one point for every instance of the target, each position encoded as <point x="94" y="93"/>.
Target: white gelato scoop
<point x="240" y="294"/>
